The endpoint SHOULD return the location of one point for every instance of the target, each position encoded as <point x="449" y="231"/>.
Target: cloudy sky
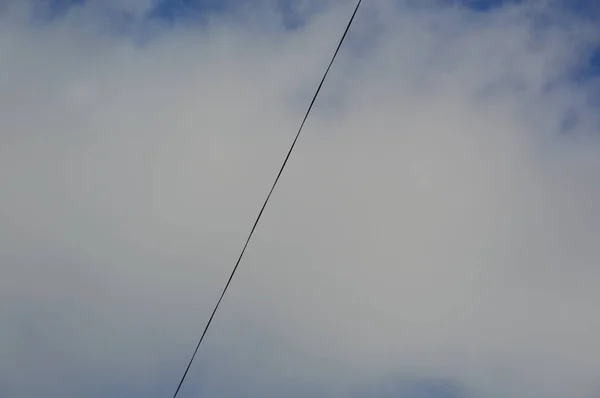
<point x="435" y="234"/>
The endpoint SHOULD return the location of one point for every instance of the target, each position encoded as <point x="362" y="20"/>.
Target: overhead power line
<point x="237" y="263"/>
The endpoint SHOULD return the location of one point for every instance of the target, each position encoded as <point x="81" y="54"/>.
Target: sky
<point x="433" y="236"/>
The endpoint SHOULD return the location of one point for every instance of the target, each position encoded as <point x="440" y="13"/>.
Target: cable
<point x="266" y="200"/>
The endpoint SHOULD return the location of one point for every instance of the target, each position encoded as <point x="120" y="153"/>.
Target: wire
<point x="266" y="200"/>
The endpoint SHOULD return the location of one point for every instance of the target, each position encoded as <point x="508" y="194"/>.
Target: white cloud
<point x="434" y="221"/>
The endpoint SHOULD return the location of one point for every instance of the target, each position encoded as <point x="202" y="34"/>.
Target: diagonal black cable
<point x="267" y="200"/>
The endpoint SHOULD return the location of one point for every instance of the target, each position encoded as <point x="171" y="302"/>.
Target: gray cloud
<point x="436" y="220"/>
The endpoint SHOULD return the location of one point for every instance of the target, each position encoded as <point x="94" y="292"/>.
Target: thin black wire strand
<point x="267" y="200"/>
